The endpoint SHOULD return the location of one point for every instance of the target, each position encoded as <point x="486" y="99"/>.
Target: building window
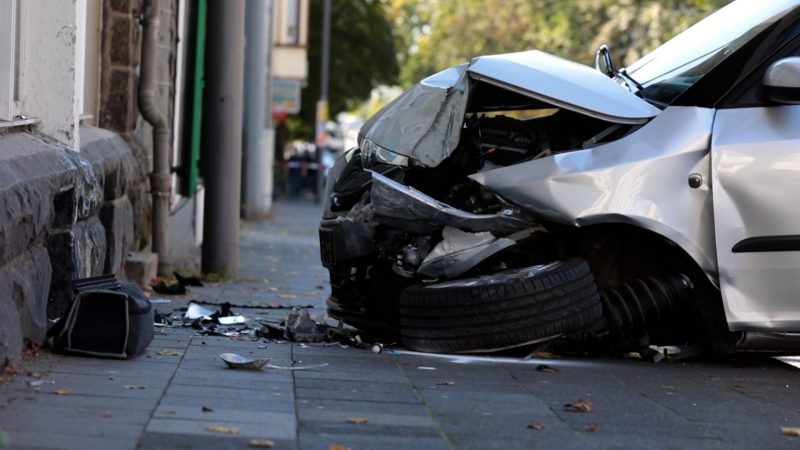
<point x="89" y="13"/>
<point x="9" y="58"/>
<point x="290" y="30"/>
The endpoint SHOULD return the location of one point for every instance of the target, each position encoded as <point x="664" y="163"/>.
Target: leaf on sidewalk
<point x="64" y="391"/>
<point x="222" y="430"/>
<point x="135" y="386"/>
<point x="592" y="427"/>
<point x="207" y="409"/>
<point x="261" y="443"/>
<point x="545" y="368"/>
<point x="338" y="447"/>
<point x="169" y="352"/>
<point x="536" y="426"/>
<point x="357" y="420"/>
<point x="287" y="296"/>
<point x="579" y="405"/>
<point x="790" y="431"/>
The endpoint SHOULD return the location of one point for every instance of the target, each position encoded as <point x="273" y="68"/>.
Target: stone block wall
<point x="66" y="215"/>
<point x="63" y="215"/>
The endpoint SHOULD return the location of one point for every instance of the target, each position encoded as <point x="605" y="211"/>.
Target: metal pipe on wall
<point x="160" y="180"/>
<point x="222" y="122"/>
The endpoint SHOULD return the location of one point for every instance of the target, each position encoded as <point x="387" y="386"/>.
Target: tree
<point x="362" y="56"/>
<point x="436" y="34"/>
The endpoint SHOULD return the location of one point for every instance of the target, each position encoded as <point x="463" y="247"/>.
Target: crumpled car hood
<point x="424" y="123"/>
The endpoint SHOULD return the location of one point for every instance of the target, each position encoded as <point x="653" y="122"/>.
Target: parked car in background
<point x="523" y="197"/>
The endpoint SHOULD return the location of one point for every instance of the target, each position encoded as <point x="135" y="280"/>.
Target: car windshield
<point x="673" y="67"/>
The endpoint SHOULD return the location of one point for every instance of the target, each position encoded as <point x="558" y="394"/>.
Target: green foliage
<point x="435" y="34"/>
<point x="362" y="56"/>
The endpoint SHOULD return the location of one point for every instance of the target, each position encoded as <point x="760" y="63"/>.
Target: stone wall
<point x="63" y="215"/>
<point x="66" y="215"/>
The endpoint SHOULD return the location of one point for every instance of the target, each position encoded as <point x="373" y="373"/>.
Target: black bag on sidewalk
<point x="107" y="318"/>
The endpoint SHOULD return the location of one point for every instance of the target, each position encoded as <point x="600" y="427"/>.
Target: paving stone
<point x="177" y="441"/>
<point x="359" y="408"/>
<point x="281" y="429"/>
<point x="37" y="439"/>
<point x="323" y="441"/>
<point x="406" y="396"/>
<point x="272" y="402"/>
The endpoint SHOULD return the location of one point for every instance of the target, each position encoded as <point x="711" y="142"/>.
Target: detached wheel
<point x="503" y="310"/>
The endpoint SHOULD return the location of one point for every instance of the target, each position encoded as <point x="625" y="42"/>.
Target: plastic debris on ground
<point x="236" y="361"/>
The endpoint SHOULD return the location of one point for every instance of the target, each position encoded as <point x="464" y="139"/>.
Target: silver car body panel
<point x="756" y="168"/>
<point x="409" y="209"/>
<point x="563" y="83"/>
<point x="459" y="251"/>
<point x="640" y="179"/>
<point x="424" y="123"/>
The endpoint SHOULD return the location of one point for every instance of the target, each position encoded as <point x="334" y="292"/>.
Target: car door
<point x="756" y="192"/>
<point x="755" y="158"/>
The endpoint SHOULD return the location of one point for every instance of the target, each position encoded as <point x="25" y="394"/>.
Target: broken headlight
<point x="372" y="153"/>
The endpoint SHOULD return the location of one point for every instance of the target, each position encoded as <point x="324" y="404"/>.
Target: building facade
<point x="76" y="154"/>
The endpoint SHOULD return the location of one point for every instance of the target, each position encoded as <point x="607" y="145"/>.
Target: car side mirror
<point x="781" y="82"/>
<point x="602" y="61"/>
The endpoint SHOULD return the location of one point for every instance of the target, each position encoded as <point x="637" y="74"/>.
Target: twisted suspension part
<point x="644" y="300"/>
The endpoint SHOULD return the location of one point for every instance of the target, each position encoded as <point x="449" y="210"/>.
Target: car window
<point x="672" y="68"/>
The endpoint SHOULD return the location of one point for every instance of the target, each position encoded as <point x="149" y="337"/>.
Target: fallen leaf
<point x="446" y="383"/>
<point x="273" y="270"/>
<point x="222" y="430"/>
<point x="32" y="349"/>
<point x="545" y="368"/>
<point x="261" y="443"/>
<point x="592" y="427"/>
<point x="207" y="409"/>
<point x="790" y="431"/>
<point x="36" y="375"/>
<point x="135" y="386"/>
<point x="288" y="296"/>
<point x="338" y="447"/>
<point x="169" y="352"/>
<point x="579" y="406"/>
<point x="8" y="370"/>
<point x="536" y="426"/>
<point x="544" y="355"/>
<point x="2" y="381"/>
<point x="357" y="420"/>
<point x="65" y="391"/>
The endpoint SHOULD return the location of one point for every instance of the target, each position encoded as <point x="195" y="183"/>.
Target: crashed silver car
<point x="523" y="197"/>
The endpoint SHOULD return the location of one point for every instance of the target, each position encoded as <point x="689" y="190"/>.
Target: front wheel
<point x="504" y="310"/>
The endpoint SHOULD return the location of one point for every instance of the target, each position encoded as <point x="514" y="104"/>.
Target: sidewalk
<point x="173" y="396"/>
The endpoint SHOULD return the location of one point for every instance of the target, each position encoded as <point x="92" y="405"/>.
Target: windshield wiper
<point x="622" y="73"/>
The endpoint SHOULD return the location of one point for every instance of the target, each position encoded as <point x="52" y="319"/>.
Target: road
<point x="179" y="394"/>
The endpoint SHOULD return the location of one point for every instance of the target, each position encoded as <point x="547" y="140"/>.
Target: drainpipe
<point x="160" y="179"/>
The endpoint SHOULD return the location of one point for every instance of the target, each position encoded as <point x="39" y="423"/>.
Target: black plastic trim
<point x="789" y="243"/>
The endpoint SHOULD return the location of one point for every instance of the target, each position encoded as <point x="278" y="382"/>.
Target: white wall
<point x="50" y="80"/>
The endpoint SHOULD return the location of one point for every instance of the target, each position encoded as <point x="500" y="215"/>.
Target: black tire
<point x="504" y="310"/>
